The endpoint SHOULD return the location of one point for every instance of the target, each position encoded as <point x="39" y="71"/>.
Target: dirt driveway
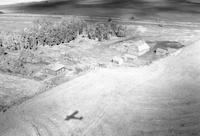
<point x="162" y="99"/>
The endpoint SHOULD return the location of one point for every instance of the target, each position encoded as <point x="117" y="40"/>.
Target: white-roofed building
<point x="138" y="47"/>
<point x="55" y="69"/>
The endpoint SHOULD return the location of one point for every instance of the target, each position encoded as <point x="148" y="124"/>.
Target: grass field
<point x="14" y="89"/>
<point x="174" y="11"/>
<point x="16" y="22"/>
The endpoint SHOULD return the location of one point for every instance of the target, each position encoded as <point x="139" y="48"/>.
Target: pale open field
<point x="16" y="89"/>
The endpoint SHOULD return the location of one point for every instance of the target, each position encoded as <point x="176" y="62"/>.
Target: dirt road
<point x="162" y="99"/>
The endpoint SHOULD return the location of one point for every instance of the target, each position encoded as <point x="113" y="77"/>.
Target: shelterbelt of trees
<point x="48" y="32"/>
<point x="45" y="32"/>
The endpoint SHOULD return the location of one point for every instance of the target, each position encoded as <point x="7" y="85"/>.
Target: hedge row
<point x="48" y="32"/>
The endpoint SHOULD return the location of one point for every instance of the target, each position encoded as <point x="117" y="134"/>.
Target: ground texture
<point x="15" y="89"/>
<point x="162" y="99"/>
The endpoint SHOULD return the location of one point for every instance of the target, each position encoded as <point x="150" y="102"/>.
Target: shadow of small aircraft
<point x="73" y="116"/>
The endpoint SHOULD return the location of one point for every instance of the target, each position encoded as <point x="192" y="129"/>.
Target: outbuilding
<point x="138" y="48"/>
<point x="128" y="57"/>
<point x="165" y="51"/>
<point x="161" y="52"/>
<point x="117" y="60"/>
<point x="55" y="69"/>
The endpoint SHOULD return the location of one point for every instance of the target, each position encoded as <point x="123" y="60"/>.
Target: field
<point x="173" y="11"/>
<point x="16" y="22"/>
<point x="150" y="92"/>
<point x="16" y="90"/>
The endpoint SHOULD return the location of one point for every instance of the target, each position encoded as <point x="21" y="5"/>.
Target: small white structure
<point x="171" y="50"/>
<point x="127" y="57"/>
<point x="142" y="47"/>
<point x="55" y="69"/>
<point x="117" y="60"/>
<point x="138" y="48"/>
<point x="161" y="52"/>
<point x="167" y="51"/>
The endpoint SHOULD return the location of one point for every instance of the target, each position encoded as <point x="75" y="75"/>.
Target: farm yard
<point x="85" y="54"/>
<point x="54" y="67"/>
<point x="140" y="46"/>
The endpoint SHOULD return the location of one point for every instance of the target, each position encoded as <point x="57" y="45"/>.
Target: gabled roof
<point x="55" y="66"/>
<point x="142" y="45"/>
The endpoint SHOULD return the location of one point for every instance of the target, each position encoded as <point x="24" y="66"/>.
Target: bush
<point x="48" y="32"/>
<point x="91" y="32"/>
<point x="103" y="31"/>
<point x="14" y="66"/>
<point x="11" y="41"/>
<point x="54" y="33"/>
<point x="121" y="31"/>
<point x="43" y="32"/>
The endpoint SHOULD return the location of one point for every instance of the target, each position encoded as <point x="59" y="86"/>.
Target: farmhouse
<point x="138" y="48"/>
<point x="55" y="69"/>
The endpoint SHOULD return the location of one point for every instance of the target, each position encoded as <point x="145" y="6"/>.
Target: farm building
<point x="161" y="51"/>
<point x="165" y="51"/>
<point x="130" y="57"/>
<point x="171" y="50"/>
<point x="117" y="60"/>
<point x="55" y="69"/>
<point x="138" y="48"/>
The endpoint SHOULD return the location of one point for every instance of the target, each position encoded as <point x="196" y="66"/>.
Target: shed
<point x="127" y="57"/>
<point x="161" y="51"/>
<point x="142" y="47"/>
<point x="117" y="60"/>
<point x="138" y="48"/>
<point x="171" y="50"/>
<point x="55" y="69"/>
